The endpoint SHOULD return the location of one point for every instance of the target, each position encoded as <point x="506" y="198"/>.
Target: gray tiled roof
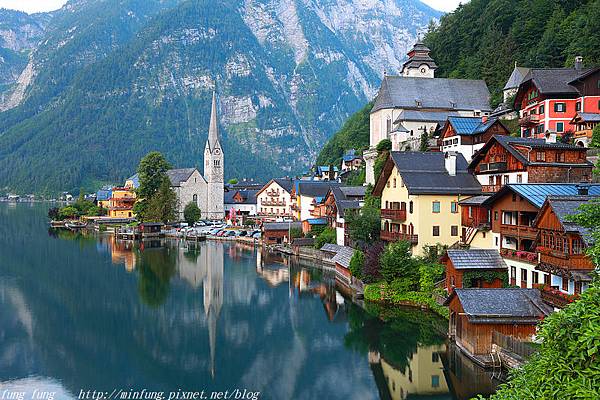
<point x="554" y="80"/>
<point x="565" y="206"/>
<point x="176" y="176"/>
<point x="345" y="205"/>
<point x="331" y="248"/>
<point x="508" y="305"/>
<point x="285" y="183"/>
<point x="476" y="259"/>
<point x="590" y="117"/>
<point x="343" y="256"/>
<point x="425" y="172"/>
<point x="315" y="188"/>
<point x="425" y="116"/>
<point x="281" y="226"/>
<point x="440" y="93"/>
<point x="353" y="191"/>
<point x="517" y="76"/>
<point x="475" y="200"/>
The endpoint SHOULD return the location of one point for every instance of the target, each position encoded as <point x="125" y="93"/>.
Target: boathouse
<point x="480" y="268"/>
<point x="476" y="313"/>
<point x="279" y="232"/>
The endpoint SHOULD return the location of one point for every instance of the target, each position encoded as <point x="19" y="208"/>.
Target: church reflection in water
<point x="408" y="359"/>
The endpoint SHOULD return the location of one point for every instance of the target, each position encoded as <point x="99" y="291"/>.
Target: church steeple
<point x="213" y="128"/>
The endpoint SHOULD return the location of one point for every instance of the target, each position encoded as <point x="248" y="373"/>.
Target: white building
<point x="274" y="200"/>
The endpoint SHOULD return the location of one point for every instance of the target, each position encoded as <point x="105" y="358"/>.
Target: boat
<point x="75" y="225"/>
<point x="57" y="224"/>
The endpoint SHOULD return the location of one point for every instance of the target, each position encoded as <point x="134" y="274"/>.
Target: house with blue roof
<point x="513" y="211"/>
<point x="467" y="135"/>
<point x="351" y="161"/>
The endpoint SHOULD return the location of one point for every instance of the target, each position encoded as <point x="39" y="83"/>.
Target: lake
<point x="86" y="316"/>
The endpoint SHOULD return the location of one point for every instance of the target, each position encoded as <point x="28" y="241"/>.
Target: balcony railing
<point x="583" y="133"/>
<point x="523" y="231"/>
<point x="520" y="255"/>
<point x="529" y="120"/>
<point x="273" y="203"/>
<point x="490" y="188"/>
<point x="561" y="260"/>
<point x="395" y="215"/>
<point x="493" y="167"/>
<point x="397" y="236"/>
<point x="555" y="297"/>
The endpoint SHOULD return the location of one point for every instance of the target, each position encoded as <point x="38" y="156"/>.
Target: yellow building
<point x="121" y="203"/>
<point x="424" y="375"/>
<point x="420" y="192"/>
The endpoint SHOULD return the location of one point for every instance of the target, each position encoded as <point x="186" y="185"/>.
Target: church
<point x="206" y="191"/>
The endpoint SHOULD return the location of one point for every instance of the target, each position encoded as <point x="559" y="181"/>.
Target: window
<point x="540" y="156"/>
<point x="535" y="277"/>
<point x="217" y="163"/>
<point x="495" y="215"/>
<point x="560" y="127"/>
<point x="547" y="279"/>
<point x="388" y="125"/>
<point x="435" y="381"/>
<point x="560" y="107"/>
<point x="578" y="106"/>
<point x="454" y="207"/>
<point x="195" y="199"/>
<point x="410" y="207"/>
<point x="565" y="283"/>
<point x="542" y="109"/>
<point x="577" y="246"/>
<point x="394" y="182"/>
<point x="435" y="357"/>
<point x="506" y="179"/>
<point x="491" y="180"/>
<point x="523" y="278"/>
<point x="519" y="178"/>
<point x="435" y="207"/>
<point x="513" y="276"/>
<point x="388" y="184"/>
<point x="436" y="231"/>
<point x="598" y="104"/>
<point x="577" y="287"/>
<point x="559" y="157"/>
<point x="496" y="241"/>
<point x="454" y="230"/>
<point x="539" y="128"/>
<point x="598" y="84"/>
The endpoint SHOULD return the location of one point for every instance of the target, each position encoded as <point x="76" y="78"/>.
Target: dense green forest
<point x="354" y="134"/>
<point x="483" y="39"/>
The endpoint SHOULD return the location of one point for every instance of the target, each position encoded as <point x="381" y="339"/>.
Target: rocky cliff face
<point x="107" y="84"/>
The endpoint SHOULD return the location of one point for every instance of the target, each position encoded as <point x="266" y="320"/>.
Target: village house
<point x="338" y="201"/>
<point x="120" y="204"/>
<point x="505" y="159"/>
<point x="562" y="246"/>
<point x="415" y="102"/>
<point x="513" y="211"/>
<point x="549" y="98"/>
<point x="103" y="196"/>
<point x="475" y="222"/>
<point x="308" y="195"/>
<point x="351" y="161"/>
<point x="419" y="194"/>
<point x="274" y="200"/>
<point x="476" y="313"/>
<point x="467" y="135"/>
<point x="584" y="124"/>
<point x="474" y="268"/>
<point x="240" y="204"/>
<point x="279" y="232"/>
<point x="326" y="173"/>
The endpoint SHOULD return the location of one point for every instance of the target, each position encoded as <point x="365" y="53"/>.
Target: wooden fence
<point x="516" y="346"/>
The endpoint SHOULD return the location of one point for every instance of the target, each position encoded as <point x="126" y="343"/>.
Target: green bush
<point x="191" y="213"/>
<point x="357" y="263"/>
<point x="595" y="137"/>
<point x="326" y="236"/>
<point x="397" y="263"/>
<point x="296" y="233"/>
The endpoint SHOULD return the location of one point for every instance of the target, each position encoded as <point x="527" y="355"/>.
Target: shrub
<point x="191" y="213"/>
<point x="371" y="271"/>
<point x="357" y="264"/>
<point x="327" y="236"/>
<point x="397" y="263"/>
<point x="296" y="233"/>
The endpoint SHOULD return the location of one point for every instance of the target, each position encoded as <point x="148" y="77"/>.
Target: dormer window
<point x="419" y="103"/>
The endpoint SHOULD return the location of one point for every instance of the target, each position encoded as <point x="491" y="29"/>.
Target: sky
<point x="32" y="6"/>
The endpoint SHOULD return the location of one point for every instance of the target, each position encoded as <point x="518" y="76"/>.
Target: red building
<point x="549" y="98"/>
<point x="479" y="268"/>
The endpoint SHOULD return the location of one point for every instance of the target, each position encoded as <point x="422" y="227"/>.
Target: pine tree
<point x="162" y="207"/>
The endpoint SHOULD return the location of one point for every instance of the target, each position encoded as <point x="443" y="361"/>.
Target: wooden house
<point x="480" y="268"/>
<point x="475" y="222"/>
<point x="584" y="124"/>
<point x="476" y="313"/>
<point x="467" y="135"/>
<point x="505" y="159"/>
<point x="562" y="247"/>
<point x="278" y="232"/>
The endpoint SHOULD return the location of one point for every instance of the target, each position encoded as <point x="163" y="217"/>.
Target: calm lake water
<point x="88" y="313"/>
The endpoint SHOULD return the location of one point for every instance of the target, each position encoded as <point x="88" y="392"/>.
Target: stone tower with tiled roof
<point x="419" y="63"/>
<point x="213" y="168"/>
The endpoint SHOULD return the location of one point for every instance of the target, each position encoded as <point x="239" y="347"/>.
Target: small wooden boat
<point x="75" y="225"/>
<point x="57" y="224"/>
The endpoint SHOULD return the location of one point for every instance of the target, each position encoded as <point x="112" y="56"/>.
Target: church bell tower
<point x="213" y="168"/>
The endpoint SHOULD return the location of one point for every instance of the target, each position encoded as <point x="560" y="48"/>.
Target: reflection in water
<point x="89" y="312"/>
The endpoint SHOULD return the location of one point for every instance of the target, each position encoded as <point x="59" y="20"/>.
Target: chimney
<point x="582" y="190"/>
<point x="450" y="163"/>
<point x="578" y="63"/>
<point x="551" y="137"/>
<point x="484" y="119"/>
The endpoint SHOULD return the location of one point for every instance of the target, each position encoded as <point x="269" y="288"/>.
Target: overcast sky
<point x="32" y="6"/>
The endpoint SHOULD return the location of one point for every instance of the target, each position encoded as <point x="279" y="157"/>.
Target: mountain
<point x="112" y="80"/>
<point x="19" y="34"/>
<point x="483" y="39"/>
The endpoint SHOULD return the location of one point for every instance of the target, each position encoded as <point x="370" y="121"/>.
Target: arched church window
<point x="195" y="199"/>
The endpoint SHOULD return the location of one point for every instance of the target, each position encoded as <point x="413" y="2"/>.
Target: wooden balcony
<point x="529" y="120"/>
<point x="520" y="255"/>
<point x="522" y="231"/>
<point x="394" y="215"/>
<point x="559" y="260"/>
<point x="555" y="297"/>
<point x="397" y="236"/>
<point x="490" y="188"/>
<point x="275" y="203"/>
<point x="585" y="133"/>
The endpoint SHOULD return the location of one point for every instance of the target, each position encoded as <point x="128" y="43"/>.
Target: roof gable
<point x="177" y="176"/>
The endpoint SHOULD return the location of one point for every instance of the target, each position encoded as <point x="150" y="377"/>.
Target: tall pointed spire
<point x="213" y="129"/>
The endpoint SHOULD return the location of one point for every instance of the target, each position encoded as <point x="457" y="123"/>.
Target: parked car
<point x="256" y="235"/>
<point x="229" y="234"/>
<point x="199" y="223"/>
<point x="243" y="233"/>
